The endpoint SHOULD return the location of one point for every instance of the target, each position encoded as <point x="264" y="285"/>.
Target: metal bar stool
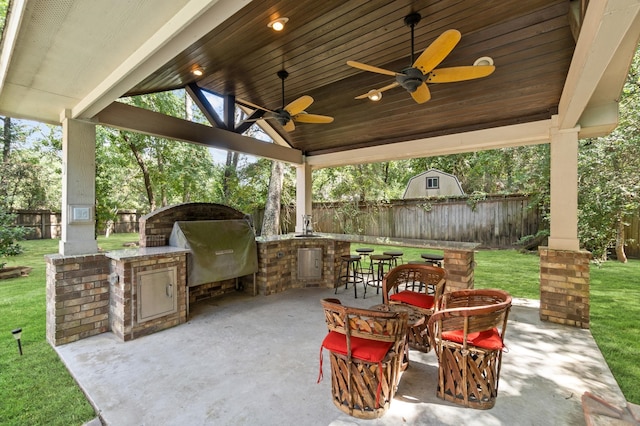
<point x="377" y="271"/>
<point x="434" y="259"/>
<point x="365" y="252"/>
<point x="394" y="256"/>
<point x="350" y="262"/>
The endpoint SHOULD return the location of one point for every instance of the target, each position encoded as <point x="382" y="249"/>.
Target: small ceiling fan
<point x="294" y="112"/>
<point x="414" y="79"/>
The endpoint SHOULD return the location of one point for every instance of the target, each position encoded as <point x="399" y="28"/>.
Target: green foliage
<point x="609" y="182"/>
<point x="9" y="236"/>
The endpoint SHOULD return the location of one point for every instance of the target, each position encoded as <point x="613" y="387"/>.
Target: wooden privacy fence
<point x="495" y="221"/>
<point x="45" y="224"/>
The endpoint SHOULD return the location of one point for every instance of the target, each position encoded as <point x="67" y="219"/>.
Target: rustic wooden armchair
<point x="365" y="350"/>
<point x="468" y="336"/>
<point x="419" y="286"/>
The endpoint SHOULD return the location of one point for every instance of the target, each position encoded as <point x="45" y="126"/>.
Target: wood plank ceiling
<point x="530" y="41"/>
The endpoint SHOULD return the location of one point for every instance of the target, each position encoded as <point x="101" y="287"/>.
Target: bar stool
<point x="365" y="252"/>
<point x="350" y="262"/>
<point x="377" y="271"/>
<point x="434" y="259"/>
<point x="394" y="256"/>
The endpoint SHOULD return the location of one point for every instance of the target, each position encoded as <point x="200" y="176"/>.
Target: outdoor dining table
<point x="415" y="318"/>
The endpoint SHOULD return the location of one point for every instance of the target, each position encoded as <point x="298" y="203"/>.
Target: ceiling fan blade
<point x="289" y="127"/>
<point x="251" y="105"/>
<point x="299" y="105"/>
<point x="371" y="68"/>
<point x="303" y="117"/>
<point x="437" y="51"/>
<point x="422" y="94"/>
<point x="448" y="75"/>
<point x="382" y="89"/>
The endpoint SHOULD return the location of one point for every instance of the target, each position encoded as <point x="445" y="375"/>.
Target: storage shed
<point x="431" y="183"/>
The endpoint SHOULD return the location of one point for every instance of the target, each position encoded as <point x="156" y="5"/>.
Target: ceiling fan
<point x="414" y="79"/>
<point x="294" y="112"/>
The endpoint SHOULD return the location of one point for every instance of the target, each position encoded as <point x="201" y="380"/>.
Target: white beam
<point x="11" y="30"/>
<point x="508" y="136"/>
<point x="608" y="35"/>
<point x="140" y="120"/>
<point x="193" y="21"/>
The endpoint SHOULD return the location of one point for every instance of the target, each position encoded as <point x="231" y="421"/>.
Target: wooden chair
<point x="468" y="336"/>
<point x="365" y="350"/>
<point x="419" y="286"/>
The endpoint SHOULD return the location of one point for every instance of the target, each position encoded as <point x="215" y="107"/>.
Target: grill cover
<point x="220" y="249"/>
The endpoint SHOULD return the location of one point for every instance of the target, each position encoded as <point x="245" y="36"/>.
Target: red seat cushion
<point x="364" y="349"/>
<point x="488" y="339"/>
<point x="414" y="298"/>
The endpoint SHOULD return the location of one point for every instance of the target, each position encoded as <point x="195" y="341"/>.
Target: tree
<point x="9" y="236"/>
<point x="271" y="219"/>
<point x="609" y="182"/>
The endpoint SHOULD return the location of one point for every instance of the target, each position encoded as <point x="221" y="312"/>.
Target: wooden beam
<point x="127" y="117"/>
<point x="204" y="105"/>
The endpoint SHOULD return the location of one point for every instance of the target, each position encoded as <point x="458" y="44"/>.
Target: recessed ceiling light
<point x="197" y="71"/>
<point x="278" y="24"/>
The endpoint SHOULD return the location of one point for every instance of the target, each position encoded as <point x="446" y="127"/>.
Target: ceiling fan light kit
<point x="415" y="77"/>
<point x="374" y="95"/>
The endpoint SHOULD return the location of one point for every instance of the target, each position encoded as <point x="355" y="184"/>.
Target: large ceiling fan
<point x="294" y="112"/>
<point x="414" y="79"/>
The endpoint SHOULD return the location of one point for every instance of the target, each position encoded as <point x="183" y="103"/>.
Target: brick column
<point x="77" y="297"/>
<point x="459" y="265"/>
<point x="564" y="286"/>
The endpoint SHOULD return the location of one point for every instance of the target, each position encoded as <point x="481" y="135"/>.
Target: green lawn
<point x="36" y="389"/>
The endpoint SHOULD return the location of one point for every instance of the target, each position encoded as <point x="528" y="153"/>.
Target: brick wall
<point x="564" y="286"/>
<point x="278" y="264"/>
<point x="459" y="265"/>
<point x="77" y="297"/>
<point x="123" y="320"/>
<point x="155" y="227"/>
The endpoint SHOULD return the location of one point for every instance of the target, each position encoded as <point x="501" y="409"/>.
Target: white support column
<point x="303" y="193"/>
<point x="564" y="189"/>
<point x="78" y="186"/>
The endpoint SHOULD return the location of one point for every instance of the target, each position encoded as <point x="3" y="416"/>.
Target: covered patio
<point x="248" y="360"/>
<point x="560" y="68"/>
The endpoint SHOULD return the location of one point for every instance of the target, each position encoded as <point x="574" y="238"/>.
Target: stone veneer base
<point x="564" y="286"/>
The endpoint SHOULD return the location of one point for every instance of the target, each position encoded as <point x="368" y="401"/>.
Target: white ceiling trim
<point x="502" y="137"/>
<point x="11" y="31"/>
<point x="193" y="21"/>
<point x="601" y="42"/>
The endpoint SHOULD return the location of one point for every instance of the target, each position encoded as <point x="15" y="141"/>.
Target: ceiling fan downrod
<point x="411" y="20"/>
<point x="283" y="74"/>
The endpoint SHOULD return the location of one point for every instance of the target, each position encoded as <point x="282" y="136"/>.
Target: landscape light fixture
<point x="17" y="333"/>
<point x="278" y="24"/>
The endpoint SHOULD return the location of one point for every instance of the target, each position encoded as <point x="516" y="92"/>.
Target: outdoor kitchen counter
<point x="132" y="253"/>
<point x="276" y="253"/>
<point x="385" y="241"/>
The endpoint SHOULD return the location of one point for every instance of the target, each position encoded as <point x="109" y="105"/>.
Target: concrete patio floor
<point x="244" y="360"/>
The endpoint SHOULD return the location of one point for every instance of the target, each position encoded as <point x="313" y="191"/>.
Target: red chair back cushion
<point x="414" y="298"/>
<point x="364" y="349"/>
